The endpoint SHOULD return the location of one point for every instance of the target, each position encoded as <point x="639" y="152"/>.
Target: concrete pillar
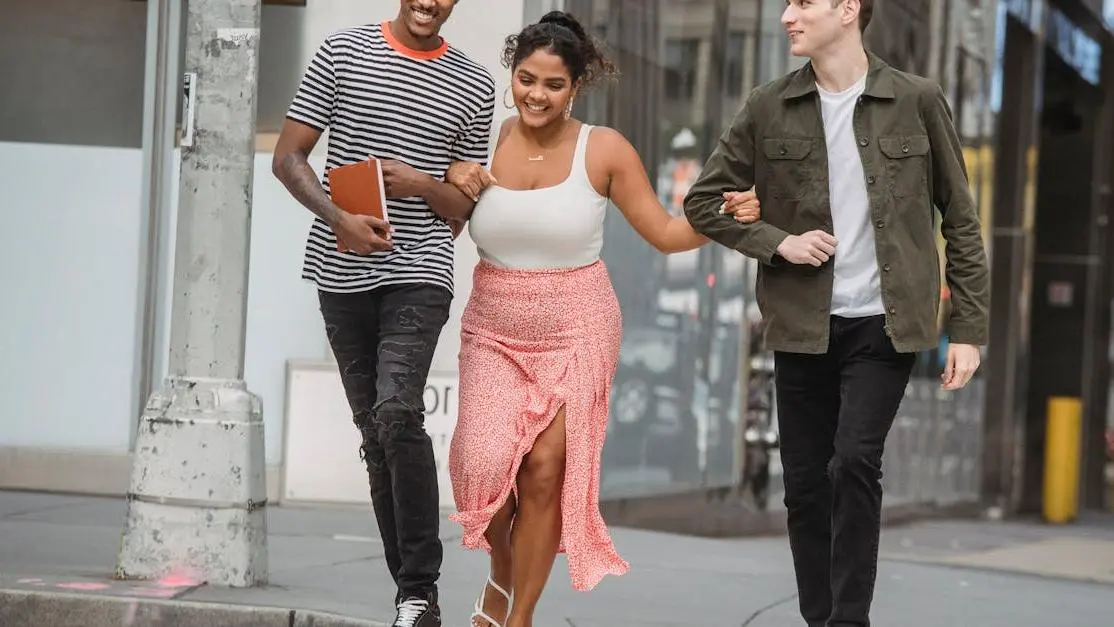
<point x="196" y="504"/>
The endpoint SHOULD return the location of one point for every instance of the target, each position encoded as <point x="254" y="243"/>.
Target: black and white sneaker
<point x="417" y="612"/>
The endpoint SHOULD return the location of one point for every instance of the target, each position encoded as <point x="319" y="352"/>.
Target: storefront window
<point x="693" y="373"/>
<point x="685" y="68"/>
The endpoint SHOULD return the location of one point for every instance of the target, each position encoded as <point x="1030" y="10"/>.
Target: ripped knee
<point x="368" y="437"/>
<point x="394" y="416"/>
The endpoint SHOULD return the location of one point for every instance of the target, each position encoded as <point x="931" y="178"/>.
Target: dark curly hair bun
<point x="562" y="34"/>
<point x="561" y="18"/>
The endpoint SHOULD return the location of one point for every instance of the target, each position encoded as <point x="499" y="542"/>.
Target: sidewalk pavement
<point x="57" y="554"/>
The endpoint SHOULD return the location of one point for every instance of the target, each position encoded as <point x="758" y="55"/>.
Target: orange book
<point x="358" y="189"/>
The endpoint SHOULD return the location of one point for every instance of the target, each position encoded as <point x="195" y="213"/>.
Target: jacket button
<point x="905" y="148"/>
<point x="782" y="149"/>
<point x="879" y="223"/>
<point x="862" y="141"/>
<point x="870" y="179"/>
<point x="893" y="310"/>
<point x="886" y="268"/>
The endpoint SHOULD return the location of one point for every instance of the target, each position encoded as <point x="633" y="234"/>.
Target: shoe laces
<point x="409" y="611"/>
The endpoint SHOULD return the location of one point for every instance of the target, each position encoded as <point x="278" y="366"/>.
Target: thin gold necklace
<point x="541" y="156"/>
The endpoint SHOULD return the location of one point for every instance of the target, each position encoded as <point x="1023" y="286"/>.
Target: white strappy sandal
<point x="479" y="609"/>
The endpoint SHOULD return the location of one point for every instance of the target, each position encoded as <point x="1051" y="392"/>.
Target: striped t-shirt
<point x="380" y="99"/>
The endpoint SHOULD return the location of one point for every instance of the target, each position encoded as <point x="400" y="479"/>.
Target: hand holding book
<point x="362" y="234"/>
<point x="359" y="190"/>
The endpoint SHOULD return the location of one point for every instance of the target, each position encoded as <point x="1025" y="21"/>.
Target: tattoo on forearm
<point x="302" y="182"/>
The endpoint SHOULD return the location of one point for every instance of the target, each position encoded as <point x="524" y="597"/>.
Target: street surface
<point x="953" y="573"/>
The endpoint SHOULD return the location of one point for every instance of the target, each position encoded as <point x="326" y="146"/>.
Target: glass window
<point x="734" y="59"/>
<point x="685" y="68"/>
<point x="280" y="63"/>
<point x="79" y="80"/>
<point x="691" y="326"/>
<point x="899" y="33"/>
<point x="681" y="58"/>
<point x="84" y="82"/>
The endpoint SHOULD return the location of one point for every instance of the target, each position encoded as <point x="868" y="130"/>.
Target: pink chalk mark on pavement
<point x="177" y="581"/>
<point x="84" y="586"/>
<point x="166" y="587"/>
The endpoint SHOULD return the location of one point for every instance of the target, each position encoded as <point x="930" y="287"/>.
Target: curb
<point x="22" y="608"/>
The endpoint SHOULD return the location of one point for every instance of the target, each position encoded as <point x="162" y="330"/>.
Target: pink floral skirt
<point x="531" y="342"/>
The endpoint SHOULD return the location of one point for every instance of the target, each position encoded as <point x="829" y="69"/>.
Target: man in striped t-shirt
<point x="398" y="92"/>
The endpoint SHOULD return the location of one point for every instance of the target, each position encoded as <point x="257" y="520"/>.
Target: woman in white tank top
<point x="540" y="333"/>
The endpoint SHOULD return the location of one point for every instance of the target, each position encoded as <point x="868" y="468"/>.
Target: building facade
<point x="1052" y="270"/>
<point x="90" y="170"/>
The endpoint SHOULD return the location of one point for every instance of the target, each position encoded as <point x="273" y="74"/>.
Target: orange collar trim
<point x="401" y="48"/>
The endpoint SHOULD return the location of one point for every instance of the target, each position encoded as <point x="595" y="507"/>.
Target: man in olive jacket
<point x="848" y="157"/>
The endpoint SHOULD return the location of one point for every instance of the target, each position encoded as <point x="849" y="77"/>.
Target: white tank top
<point x="560" y="226"/>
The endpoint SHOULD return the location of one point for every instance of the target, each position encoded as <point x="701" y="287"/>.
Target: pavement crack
<point x="762" y="610"/>
<point x="181" y="594"/>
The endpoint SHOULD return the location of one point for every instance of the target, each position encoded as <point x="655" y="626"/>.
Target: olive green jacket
<point x="912" y="161"/>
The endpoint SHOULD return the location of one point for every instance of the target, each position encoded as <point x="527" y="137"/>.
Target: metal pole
<point x="163" y="82"/>
<point x="198" y="493"/>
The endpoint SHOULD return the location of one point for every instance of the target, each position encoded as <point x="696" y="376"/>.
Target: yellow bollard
<point x="1061" y="458"/>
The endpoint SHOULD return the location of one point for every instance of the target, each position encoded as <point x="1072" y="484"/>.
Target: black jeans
<point x="834" y="413"/>
<point x="384" y="340"/>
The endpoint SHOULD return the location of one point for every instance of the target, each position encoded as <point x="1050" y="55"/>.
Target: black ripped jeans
<point x="384" y="340"/>
<point x="834" y="413"/>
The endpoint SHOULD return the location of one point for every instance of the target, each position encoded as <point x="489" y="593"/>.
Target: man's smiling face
<point x="423" y="18"/>
<point x="813" y="25"/>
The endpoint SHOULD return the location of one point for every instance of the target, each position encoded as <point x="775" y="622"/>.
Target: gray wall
<point x="72" y="71"/>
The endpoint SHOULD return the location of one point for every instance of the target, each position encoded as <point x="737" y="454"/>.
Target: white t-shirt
<point x="856" y="291"/>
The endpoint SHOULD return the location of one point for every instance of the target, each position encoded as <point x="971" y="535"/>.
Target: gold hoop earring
<point x="568" y="109"/>
<point x="511" y="105"/>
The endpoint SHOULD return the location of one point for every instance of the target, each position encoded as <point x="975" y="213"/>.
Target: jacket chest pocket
<point x="792" y="171"/>
<point x="906" y="164"/>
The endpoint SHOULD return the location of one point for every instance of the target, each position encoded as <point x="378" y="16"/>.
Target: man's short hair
<point x="866" y="11"/>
